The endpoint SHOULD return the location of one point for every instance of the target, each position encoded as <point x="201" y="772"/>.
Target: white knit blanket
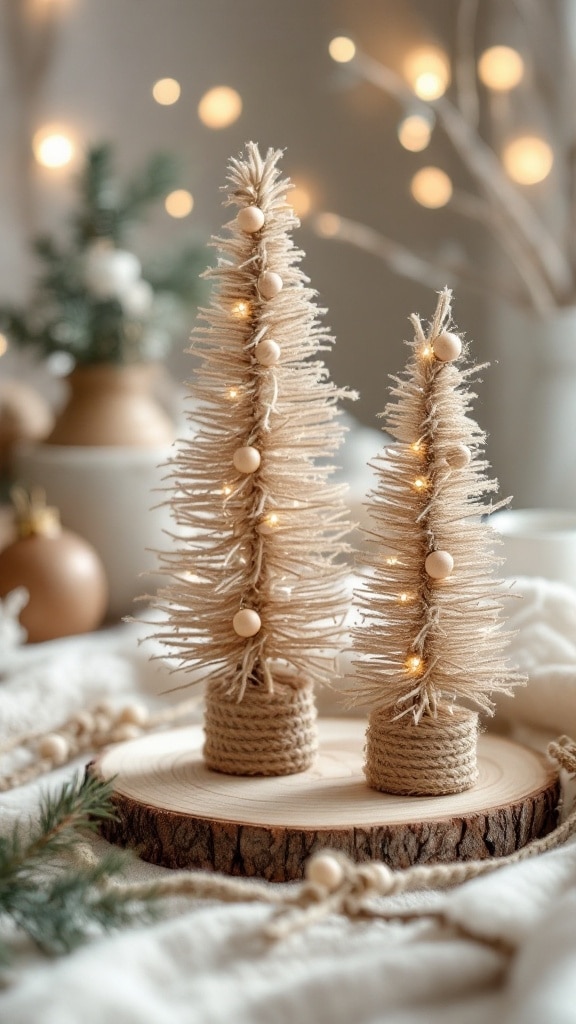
<point x="209" y="964"/>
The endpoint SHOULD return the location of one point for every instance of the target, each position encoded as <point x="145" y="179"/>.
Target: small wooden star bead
<point x="324" y="869"/>
<point x="439" y="564"/>
<point x="270" y="284"/>
<point x="459" y="456"/>
<point x="246" y="459"/>
<point x="267" y="352"/>
<point x="134" y="714"/>
<point x="447" y="346"/>
<point x="247" y="622"/>
<point x="250" y="219"/>
<point x="54" y="747"/>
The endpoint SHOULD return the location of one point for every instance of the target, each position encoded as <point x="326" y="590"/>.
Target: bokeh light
<point x="431" y="187"/>
<point x="300" y="200"/>
<point x="220" y="107"/>
<point x="327" y="224"/>
<point x="341" y="49"/>
<point x="414" y="133"/>
<point x="52" y="148"/>
<point x="427" y="69"/>
<point x="166" y="91"/>
<point x="528" y="159"/>
<point x="179" y="203"/>
<point x="500" y="68"/>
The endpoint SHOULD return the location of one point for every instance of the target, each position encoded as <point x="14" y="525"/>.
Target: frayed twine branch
<point x="334" y="884"/>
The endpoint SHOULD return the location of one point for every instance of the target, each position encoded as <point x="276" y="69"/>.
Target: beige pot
<point x="113" y="404"/>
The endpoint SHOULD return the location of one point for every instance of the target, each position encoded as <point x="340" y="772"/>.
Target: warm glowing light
<point x="179" y="203"/>
<point x="392" y="560"/>
<point x="500" y="68"/>
<point x="300" y="200"/>
<point x="431" y="187"/>
<point x="241" y="309"/>
<point x="420" y="483"/>
<point x="414" y="133"/>
<point x="414" y="664"/>
<point x="328" y="224"/>
<point x="405" y="598"/>
<point x="341" y="49"/>
<point x="220" y="107"/>
<point x="3" y="344"/>
<point x="528" y="159"/>
<point x="427" y="351"/>
<point x="428" y="72"/>
<point x="417" y="447"/>
<point x="233" y="393"/>
<point x="166" y="91"/>
<point x="52" y="148"/>
<point x="227" y="490"/>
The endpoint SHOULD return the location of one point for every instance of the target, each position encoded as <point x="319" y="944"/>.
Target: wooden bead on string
<point x="247" y="622"/>
<point x="269" y="284"/>
<point x="447" y="346"/>
<point x="324" y="869"/>
<point x="267" y="352"/>
<point x="134" y="714"/>
<point x="246" y="459"/>
<point x="439" y="564"/>
<point x="459" y="456"/>
<point x="54" y="748"/>
<point x="250" y="219"/>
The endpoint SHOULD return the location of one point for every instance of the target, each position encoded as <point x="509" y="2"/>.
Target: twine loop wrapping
<point x="266" y="733"/>
<point x="432" y="758"/>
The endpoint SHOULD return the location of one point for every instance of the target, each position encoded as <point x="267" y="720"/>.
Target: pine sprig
<point x="58" y="904"/>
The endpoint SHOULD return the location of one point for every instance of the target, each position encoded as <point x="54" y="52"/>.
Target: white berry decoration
<point x="270" y="284"/>
<point x="246" y="459"/>
<point x="267" y="352"/>
<point x="247" y="622"/>
<point x="459" y="456"/>
<point x="54" y="747"/>
<point x="250" y="219"/>
<point x="325" y="870"/>
<point x="447" y="347"/>
<point x="439" y="564"/>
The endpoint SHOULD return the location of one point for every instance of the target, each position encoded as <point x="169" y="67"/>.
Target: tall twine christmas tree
<point x="431" y="643"/>
<point x="257" y="595"/>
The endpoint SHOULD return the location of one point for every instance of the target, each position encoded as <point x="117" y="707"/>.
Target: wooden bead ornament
<point x="247" y="622"/>
<point x="54" y="748"/>
<point x="134" y="714"/>
<point x="326" y="870"/>
<point x="459" y="456"/>
<point x="250" y="219"/>
<point x="270" y="284"/>
<point x="447" y="346"/>
<point x="246" y="459"/>
<point x="267" y="352"/>
<point x="439" y="564"/>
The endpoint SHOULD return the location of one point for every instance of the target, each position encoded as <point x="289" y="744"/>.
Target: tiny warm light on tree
<point x="427" y="69"/>
<point x="414" y="133"/>
<point x="528" y="159"/>
<point x="220" y="107"/>
<point x="52" y="148"/>
<point x="241" y="309"/>
<point x="500" y="68"/>
<point x="166" y="91"/>
<point x="431" y="187"/>
<point x="179" y="203"/>
<point x="341" y="49"/>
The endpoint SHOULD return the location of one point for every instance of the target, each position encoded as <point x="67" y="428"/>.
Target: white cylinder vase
<point x="109" y="496"/>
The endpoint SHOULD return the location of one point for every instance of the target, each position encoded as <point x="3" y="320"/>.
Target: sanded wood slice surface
<point x="182" y="815"/>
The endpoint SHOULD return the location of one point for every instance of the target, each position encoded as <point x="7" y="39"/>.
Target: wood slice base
<point x="179" y="814"/>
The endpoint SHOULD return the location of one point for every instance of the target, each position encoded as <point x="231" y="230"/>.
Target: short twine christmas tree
<point x="257" y="595"/>
<point x="431" y="644"/>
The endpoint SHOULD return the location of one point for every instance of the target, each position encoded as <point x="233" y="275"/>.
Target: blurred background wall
<point x="88" y="68"/>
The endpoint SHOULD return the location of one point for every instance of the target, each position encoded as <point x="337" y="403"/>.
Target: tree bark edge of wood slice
<point x="179" y="814"/>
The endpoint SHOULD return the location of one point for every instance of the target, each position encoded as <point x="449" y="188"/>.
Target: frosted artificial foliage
<point x="252" y="490"/>
<point x="425" y="642"/>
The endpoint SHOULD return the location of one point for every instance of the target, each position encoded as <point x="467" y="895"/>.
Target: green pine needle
<point x="57" y="905"/>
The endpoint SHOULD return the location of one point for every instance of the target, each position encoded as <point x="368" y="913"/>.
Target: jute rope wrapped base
<point x="435" y="757"/>
<point x="265" y="734"/>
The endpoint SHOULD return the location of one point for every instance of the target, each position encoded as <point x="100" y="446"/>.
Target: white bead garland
<point x="270" y="284"/>
<point x="134" y="714"/>
<point x="267" y="352"/>
<point x="247" y="622"/>
<point x="250" y="219"/>
<point x="439" y="564"/>
<point x="459" y="456"/>
<point x="54" y="748"/>
<point x="324" y="869"/>
<point x="447" y="346"/>
<point x="246" y="459"/>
